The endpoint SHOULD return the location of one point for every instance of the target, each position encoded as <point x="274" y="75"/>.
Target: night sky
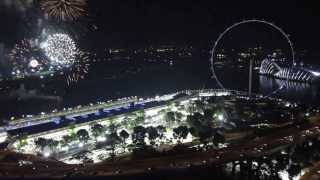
<point x="134" y="22"/>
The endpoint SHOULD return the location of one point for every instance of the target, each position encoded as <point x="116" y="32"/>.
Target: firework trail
<point x="64" y="10"/>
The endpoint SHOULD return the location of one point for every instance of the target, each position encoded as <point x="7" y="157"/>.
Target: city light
<point x="80" y="145"/>
<point x="220" y="117"/>
<point x="101" y="139"/>
<point x="46" y="154"/>
<point x="315" y="73"/>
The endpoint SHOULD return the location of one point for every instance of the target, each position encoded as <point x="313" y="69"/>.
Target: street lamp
<point x="220" y="117"/>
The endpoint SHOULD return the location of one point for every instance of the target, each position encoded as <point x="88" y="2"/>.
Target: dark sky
<point x="150" y="21"/>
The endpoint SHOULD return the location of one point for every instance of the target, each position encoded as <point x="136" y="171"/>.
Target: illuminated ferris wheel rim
<point x="238" y="24"/>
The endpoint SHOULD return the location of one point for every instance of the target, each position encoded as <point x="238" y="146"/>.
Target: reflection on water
<point x="53" y="94"/>
<point x="291" y="90"/>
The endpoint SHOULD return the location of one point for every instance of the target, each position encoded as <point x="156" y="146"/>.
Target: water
<point x="123" y="78"/>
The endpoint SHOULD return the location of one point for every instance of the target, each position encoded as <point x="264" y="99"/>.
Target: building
<point x="302" y="74"/>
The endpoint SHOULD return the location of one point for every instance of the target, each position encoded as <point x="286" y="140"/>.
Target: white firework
<point x="60" y="49"/>
<point x="34" y="63"/>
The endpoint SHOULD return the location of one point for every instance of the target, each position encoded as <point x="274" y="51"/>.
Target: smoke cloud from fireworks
<point x="17" y="5"/>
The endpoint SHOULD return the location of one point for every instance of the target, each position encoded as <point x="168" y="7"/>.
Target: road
<point x="251" y="149"/>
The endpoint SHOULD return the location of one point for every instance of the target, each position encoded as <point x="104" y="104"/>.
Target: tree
<point x="72" y="129"/>
<point x="138" y="135"/>
<point x="195" y="120"/>
<point x="170" y="104"/>
<point x="170" y="117"/>
<point x="208" y="114"/>
<point x="41" y="143"/>
<point x="140" y="117"/>
<point x="124" y="136"/>
<point x="50" y="145"/>
<point x="126" y="121"/>
<point x="177" y="103"/>
<point x="218" y="138"/>
<point x="178" y="116"/>
<point x="199" y="105"/>
<point x="191" y="109"/>
<point x="53" y="145"/>
<point x="137" y="119"/>
<point x="83" y="135"/>
<point x="113" y="128"/>
<point x="67" y="139"/>
<point x="141" y="113"/>
<point x="199" y="127"/>
<point x="22" y="142"/>
<point x="161" y="130"/>
<point x="97" y="130"/>
<point x="112" y="140"/>
<point x="152" y="134"/>
<point x="180" y="132"/>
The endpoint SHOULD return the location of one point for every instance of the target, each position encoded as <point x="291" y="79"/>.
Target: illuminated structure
<point x="250" y="21"/>
<point x="301" y="74"/>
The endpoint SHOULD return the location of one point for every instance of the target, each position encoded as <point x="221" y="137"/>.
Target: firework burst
<point x="60" y="49"/>
<point x="65" y="58"/>
<point x="57" y="54"/>
<point x="26" y="58"/>
<point x="64" y="10"/>
<point x="79" y="69"/>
